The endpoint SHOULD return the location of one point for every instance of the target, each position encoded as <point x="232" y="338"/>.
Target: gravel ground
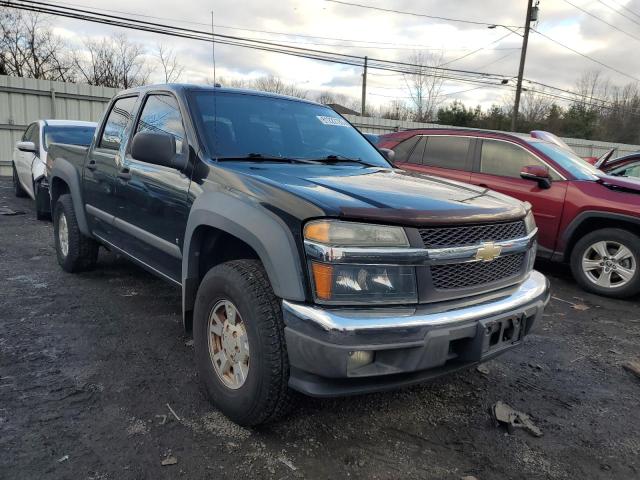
<point x="90" y="363"/>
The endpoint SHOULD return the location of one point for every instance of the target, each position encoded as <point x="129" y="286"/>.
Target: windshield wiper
<point x="252" y="157"/>
<point x="342" y="158"/>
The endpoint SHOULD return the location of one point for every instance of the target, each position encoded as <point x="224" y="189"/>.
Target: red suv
<point x="585" y="217"/>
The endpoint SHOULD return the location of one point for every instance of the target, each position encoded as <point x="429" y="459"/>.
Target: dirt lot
<point x="89" y="363"/>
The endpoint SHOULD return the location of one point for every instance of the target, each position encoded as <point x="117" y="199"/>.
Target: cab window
<point x="447" y="152"/>
<point x="161" y="114"/>
<point x="404" y="148"/>
<point x="506" y="159"/>
<point x="119" y="116"/>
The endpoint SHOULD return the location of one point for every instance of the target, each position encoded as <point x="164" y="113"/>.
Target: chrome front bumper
<point x="409" y="342"/>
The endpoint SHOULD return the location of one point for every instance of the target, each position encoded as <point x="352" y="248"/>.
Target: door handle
<point x="124" y="174"/>
<point x="92" y="165"/>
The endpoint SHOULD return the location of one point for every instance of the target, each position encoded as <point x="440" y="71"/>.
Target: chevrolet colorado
<point x="306" y="261"/>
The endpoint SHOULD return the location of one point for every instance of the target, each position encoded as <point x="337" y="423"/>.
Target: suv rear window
<point x="447" y="152"/>
<point x="404" y="148"/>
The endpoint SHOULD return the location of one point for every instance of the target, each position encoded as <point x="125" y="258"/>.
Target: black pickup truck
<point x="307" y="262"/>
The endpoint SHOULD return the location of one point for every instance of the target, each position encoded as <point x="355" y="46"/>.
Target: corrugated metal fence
<point x="24" y="100"/>
<point x="584" y="148"/>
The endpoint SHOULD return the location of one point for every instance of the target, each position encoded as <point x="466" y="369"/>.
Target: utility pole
<point x="523" y="56"/>
<point x="364" y="88"/>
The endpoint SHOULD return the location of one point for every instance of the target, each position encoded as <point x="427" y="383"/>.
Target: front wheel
<point x="17" y="188"/>
<point x="606" y="262"/>
<point x="75" y="252"/>
<point x="239" y="343"/>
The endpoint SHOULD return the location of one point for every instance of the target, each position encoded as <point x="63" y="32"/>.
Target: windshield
<point x="576" y="166"/>
<point x="242" y="125"/>
<point x="71" y="135"/>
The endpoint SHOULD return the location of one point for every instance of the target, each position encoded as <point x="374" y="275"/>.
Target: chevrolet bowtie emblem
<point x="488" y="252"/>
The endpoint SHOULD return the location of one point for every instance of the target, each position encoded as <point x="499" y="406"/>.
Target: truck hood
<point x="626" y="184"/>
<point x="384" y="195"/>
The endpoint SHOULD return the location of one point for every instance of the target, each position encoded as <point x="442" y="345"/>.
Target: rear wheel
<point x="17" y="188"/>
<point x="239" y="342"/>
<point x="75" y="252"/>
<point x="607" y="262"/>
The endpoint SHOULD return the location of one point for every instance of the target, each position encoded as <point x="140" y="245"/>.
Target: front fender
<point x="64" y="171"/>
<point x="37" y="169"/>
<point x="260" y="228"/>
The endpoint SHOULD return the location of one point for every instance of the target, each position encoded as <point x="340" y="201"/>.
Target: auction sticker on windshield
<point x="338" y="122"/>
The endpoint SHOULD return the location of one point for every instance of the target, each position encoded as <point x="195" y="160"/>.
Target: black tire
<point x="265" y="395"/>
<point x="43" y="201"/>
<point x="17" y="188"/>
<point x="82" y="252"/>
<point x="623" y="237"/>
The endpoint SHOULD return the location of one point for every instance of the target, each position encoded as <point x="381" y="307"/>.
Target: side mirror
<point x="26" y="147"/>
<point x="388" y="154"/>
<point x="537" y="173"/>
<point x="158" y="149"/>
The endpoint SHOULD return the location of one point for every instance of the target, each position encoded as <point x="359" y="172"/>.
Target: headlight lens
<point x="530" y="222"/>
<point x="363" y="284"/>
<point x="351" y="234"/>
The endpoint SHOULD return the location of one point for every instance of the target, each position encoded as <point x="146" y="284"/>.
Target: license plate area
<point x="497" y="334"/>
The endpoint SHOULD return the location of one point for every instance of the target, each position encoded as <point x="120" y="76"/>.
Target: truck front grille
<point x="472" y="274"/>
<point x="443" y="237"/>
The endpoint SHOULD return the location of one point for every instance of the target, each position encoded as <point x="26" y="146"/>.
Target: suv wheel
<point x="239" y="343"/>
<point x="607" y="262"/>
<point x="17" y="188"/>
<point x="75" y="252"/>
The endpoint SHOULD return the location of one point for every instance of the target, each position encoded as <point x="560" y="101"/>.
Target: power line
<point x="372" y="43"/>
<point x="603" y="21"/>
<point x="321" y="55"/>
<point x="619" y="12"/>
<point x="477" y="50"/>
<point x="415" y="14"/>
<point x="586" y="56"/>
<point x="627" y="9"/>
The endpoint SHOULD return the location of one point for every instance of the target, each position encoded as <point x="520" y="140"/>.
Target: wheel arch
<point x="64" y="178"/>
<point x="587" y="222"/>
<point x="222" y="228"/>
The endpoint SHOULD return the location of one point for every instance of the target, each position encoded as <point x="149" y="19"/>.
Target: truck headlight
<point x="351" y="234"/>
<point x="530" y="222"/>
<point x="338" y="279"/>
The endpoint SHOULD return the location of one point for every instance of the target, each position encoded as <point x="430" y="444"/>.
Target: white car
<point x="30" y="157"/>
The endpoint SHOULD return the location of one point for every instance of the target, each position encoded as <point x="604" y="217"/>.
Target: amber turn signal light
<point x="322" y="280"/>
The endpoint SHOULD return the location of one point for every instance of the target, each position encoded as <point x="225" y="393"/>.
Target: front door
<point x="153" y="200"/>
<point x="499" y="169"/>
<point x="101" y="168"/>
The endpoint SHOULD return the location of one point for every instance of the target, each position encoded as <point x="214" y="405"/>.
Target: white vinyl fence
<point x="24" y="100"/>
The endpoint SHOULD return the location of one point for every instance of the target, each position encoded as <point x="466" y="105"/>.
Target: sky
<point x="386" y="35"/>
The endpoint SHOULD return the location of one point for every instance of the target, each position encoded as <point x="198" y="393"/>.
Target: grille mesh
<point x="461" y="275"/>
<point x="441" y="237"/>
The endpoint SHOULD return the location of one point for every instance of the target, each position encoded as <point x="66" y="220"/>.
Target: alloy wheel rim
<point x="609" y="264"/>
<point x="228" y="344"/>
<point x="63" y="235"/>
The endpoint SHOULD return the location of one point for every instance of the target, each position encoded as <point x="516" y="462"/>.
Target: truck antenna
<point x="213" y="50"/>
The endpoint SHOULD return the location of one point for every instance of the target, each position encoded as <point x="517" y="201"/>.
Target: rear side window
<point x="404" y="148"/>
<point x="447" y="152"/>
<point x="117" y="121"/>
<point x="505" y="159"/>
<point x="416" y="154"/>
<point x="161" y="114"/>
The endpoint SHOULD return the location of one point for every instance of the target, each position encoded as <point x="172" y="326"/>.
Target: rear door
<point x="444" y="156"/>
<point x="102" y="165"/>
<point x="498" y="166"/>
<point x="153" y="204"/>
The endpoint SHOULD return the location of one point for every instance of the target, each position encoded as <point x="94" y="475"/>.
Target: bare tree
<point x="29" y="48"/>
<point x="327" y="97"/>
<point x="534" y="107"/>
<point x="171" y="68"/>
<point x="274" y="84"/>
<point x="113" y="62"/>
<point x="396" y="110"/>
<point x="592" y="87"/>
<point x="425" y="84"/>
